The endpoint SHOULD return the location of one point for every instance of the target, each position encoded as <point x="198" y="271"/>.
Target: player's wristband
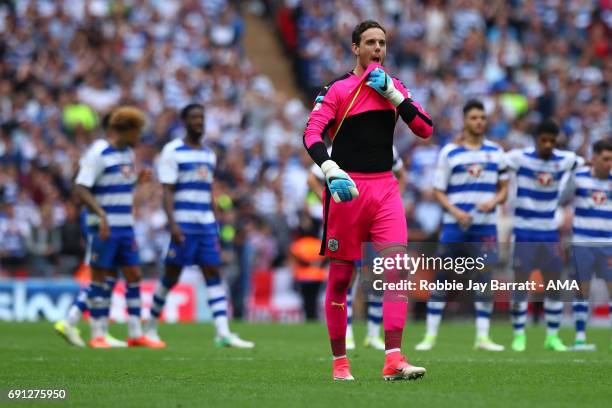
<point x="396" y="98"/>
<point x="329" y="165"/>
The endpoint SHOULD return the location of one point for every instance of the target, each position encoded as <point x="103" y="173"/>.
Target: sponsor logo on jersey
<point x="203" y="172"/>
<point x="545" y="179"/>
<point x="599" y="197"/>
<point x="475" y="170"/>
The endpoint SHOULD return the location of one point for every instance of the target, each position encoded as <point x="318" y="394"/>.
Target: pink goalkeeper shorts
<point x="377" y="216"/>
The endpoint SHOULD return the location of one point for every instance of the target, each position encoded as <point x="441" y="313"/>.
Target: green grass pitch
<point x="290" y="366"/>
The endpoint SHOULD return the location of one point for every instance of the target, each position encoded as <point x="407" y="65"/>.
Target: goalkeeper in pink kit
<point x="362" y="202"/>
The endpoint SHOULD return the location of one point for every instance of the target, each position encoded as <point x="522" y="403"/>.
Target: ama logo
<point x="545" y="179"/>
<point x="475" y="170"/>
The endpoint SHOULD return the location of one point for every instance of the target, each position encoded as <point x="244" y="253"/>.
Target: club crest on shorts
<point x="332" y="244"/>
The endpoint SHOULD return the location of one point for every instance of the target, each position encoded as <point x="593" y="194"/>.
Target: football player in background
<point x="105" y="184"/>
<point x="539" y="171"/>
<point x="591" y="188"/>
<point x="470" y="182"/>
<point x="186" y="168"/>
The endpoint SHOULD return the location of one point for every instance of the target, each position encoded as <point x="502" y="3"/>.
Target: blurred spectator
<point x="309" y="272"/>
<point x="15" y="233"/>
<point x="45" y="239"/>
<point x="72" y="242"/>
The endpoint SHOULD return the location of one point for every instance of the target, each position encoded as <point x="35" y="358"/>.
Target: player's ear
<point x="355" y="49"/>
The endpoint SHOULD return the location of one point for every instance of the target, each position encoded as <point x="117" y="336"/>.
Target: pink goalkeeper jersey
<point x="361" y="123"/>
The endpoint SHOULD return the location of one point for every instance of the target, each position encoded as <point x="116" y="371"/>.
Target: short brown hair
<point x="126" y="118"/>
<point x="472" y="104"/>
<point x="602" y="145"/>
<point x="363" y="26"/>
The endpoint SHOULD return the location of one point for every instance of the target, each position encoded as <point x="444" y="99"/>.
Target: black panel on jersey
<point x="365" y="142"/>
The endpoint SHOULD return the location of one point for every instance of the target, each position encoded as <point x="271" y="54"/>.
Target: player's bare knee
<point x="583" y="292"/>
<point x="210" y="272"/>
<point x="132" y="274"/>
<point x="172" y="273"/>
<point x="340" y="284"/>
<point x="99" y="275"/>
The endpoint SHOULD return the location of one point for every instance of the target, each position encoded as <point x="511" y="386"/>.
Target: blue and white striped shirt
<point x="538" y="187"/>
<point x="592" y="208"/>
<point x="469" y="177"/>
<point x="191" y="171"/>
<point x="109" y="174"/>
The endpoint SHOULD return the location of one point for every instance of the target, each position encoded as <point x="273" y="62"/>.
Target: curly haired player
<point x="105" y="184"/>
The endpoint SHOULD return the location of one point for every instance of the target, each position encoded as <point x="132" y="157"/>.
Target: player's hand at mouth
<point x="382" y="83"/>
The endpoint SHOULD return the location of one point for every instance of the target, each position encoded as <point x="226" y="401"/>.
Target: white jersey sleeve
<point x="567" y="186"/>
<point x="502" y="167"/>
<point x="167" y="168"/>
<point x="512" y="159"/>
<point x="213" y="158"/>
<point x="91" y="166"/>
<point x="578" y="162"/>
<point x="442" y="172"/>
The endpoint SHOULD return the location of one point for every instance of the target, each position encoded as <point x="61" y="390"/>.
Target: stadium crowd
<point x="65" y="64"/>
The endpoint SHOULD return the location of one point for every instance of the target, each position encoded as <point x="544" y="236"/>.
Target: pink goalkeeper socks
<point x="395" y="308"/>
<point x="335" y="305"/>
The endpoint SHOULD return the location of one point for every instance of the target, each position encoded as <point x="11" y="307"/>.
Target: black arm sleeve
<point x="408" y="112"/>
<point x="318" y="153"/>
